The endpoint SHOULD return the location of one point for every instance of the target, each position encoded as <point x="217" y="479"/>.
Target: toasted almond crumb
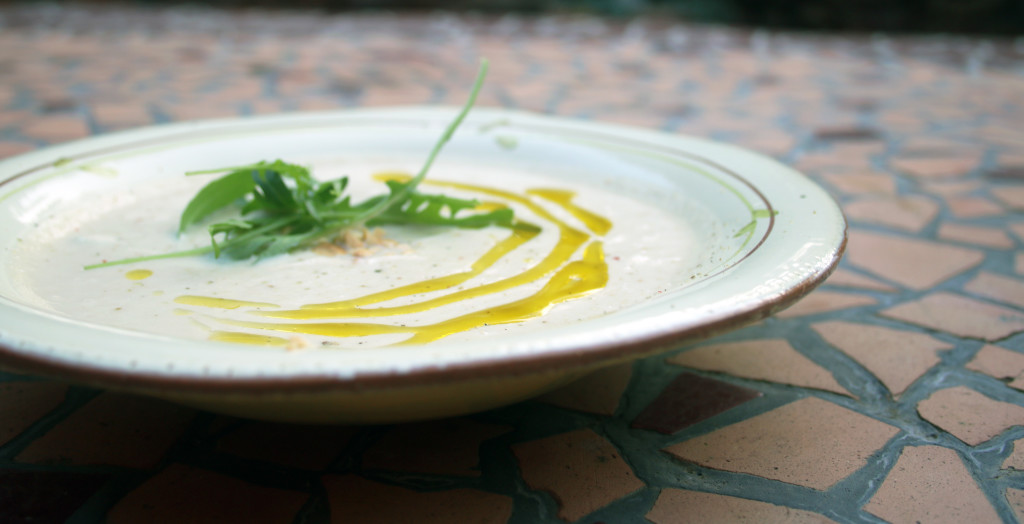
<point x="296" y="343"/>
<point x="353" y="238"/>
<point x="329" y="249"/>
<point x="356" y="242"/>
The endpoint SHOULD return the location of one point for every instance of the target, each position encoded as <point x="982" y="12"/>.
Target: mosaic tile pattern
<point x="894" y="393"/>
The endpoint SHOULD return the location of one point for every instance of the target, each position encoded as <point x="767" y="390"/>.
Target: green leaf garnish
<point x="282" y="208"/>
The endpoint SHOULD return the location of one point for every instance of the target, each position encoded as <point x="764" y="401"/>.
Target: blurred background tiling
<point x="893" y="393"/>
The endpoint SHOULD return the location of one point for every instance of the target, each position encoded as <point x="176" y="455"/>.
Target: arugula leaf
<point x="215" y="196"/>
<point x="284" y="208"/>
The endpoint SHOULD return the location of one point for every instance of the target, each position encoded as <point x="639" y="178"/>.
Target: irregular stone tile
<point x="973" y="207"/>
<point x="935" y="146"/>
<point x="355" y="499"/>
<point x="1016" y="499"/>
<point x="897" y="358"/>
<point x="910" y="213"/>
<point x="1001" y="288"/>
<point x="846" y="278"/>
<point x="679" y="505"/>
<point x="1017" y="228"/>
<point x="982" y="236"/>
<point x="598" y="392"/>
<point x="1011" y="197"/>
<point x="773" y="360"/>
<point x="121" y="114"/>
<point x="823" y="300"/>
<point x="182" y="493"/>
<point x="936" y="167"/>
<point x="45" y="496"/>
<point x="23" y="403"/>
<point x="951" y="188"/>
<point x="56" y="128"/>
<point x="848" y="132"/>
<point x="111" y="430"/>
<point x="960" y="316"/>
<point x="930" y="484"/>
<point x="11" y="148"/>
<point x="1018" y="263"/>
<point x="305" y="447"/>
<point x="689" y="399"/>
<point x="443" y="447"/>
<point x="838" y="159"/>
<point x="809" y="442"/>
<point x="1016" y="458"/>
<point x="862" y="183"/>
<point x="581" y="469"/>
<point x="969" y="415"/>
<point x="917" y="264"/>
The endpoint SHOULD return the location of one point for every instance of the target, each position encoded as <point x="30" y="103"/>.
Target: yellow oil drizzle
<point x="594" y="222"/>
<point x="574" y="280"/>
<point x="219" y="303"/>
<point x="138" y="274"/>
<point x="510" y="243"/>
<point x="570" y="239"/>
<point x="247" y="338"/>
<point x="569" y="280"/>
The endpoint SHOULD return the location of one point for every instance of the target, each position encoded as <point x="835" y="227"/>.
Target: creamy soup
<point x="598" y="252"/>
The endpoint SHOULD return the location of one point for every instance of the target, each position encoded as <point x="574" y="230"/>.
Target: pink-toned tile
<point x="823" y="300"/>
<point x="305" y="447"/>
<point x="863" y="183"/>
<point x="690" y="399"/>
<point x="56" y="128"/>
<point x="951" y="187"/>
<point x="959" y="315"/>
<point x="1016" y="499"/>
<point x="200" y="110"/>
<point x="973" y="207"/>
<point x="910" y="213"/>
<point x="969" y="415"/>
<point x="897" y="358"/>
<point x="678" y="505"/>
<point x="23" y="403"/>
<point x="936" y="167"/>
<point x="809" y="442"/>
<point x="837" y="160"/>
<point x="773" y="360"/>
<point x="111" y="430"/>
<point x="355" y="499"/>
<point x="1017" y="228"/>
<point x="401" y="95"/>
<point x="598" y="392"/>
<point x="11" y="148"/>
<point x="982" y="236"/>
<point x="1000" y="288"/>
<point x="846" y="278"/>
<point x="937" y="146"/>
<point x="1015" y="460"/>
<point x="582" y="470"/>
<point x="917" y="264"/>
<point x="15" y="118"/>
<point x="1012" y="197"/>
<point x="930" y="484"/>
<point x="182" y="493"/>
<point x="121" y="114"/>
<point x="443" y="447"/>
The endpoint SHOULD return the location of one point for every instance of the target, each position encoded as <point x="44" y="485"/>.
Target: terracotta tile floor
<point x="894" y="393"/>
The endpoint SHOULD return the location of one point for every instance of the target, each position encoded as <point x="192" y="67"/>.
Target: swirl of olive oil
<point x="568" y="280"/>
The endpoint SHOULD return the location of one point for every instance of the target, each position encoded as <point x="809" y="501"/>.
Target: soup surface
<point x="598" y="251"/>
